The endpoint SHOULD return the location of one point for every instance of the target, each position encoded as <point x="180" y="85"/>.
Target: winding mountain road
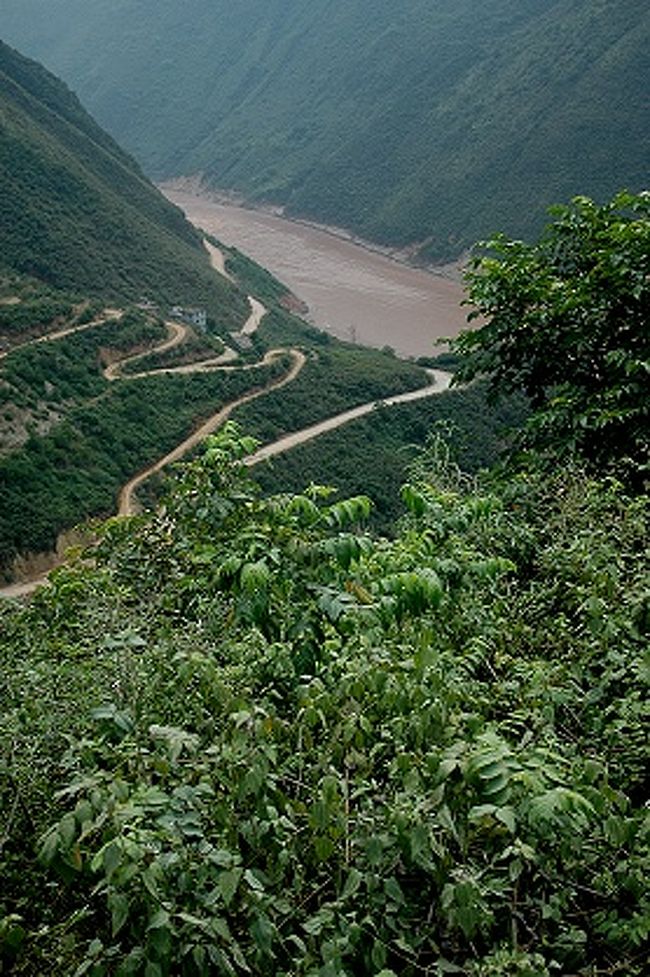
<point x="126" y="502"/>
<point x="439" y="382"/>
<point x="176" y="333"/>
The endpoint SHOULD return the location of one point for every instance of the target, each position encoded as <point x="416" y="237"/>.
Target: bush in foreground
<point x="252" y="739"/>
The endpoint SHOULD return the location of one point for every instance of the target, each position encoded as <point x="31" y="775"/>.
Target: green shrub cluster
<point x="252" y="739"/>
<point x="33" y="315"/>
<point x="373" y="454"/>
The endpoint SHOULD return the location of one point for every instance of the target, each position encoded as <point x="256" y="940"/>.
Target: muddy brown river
<point x="352" y="292"/>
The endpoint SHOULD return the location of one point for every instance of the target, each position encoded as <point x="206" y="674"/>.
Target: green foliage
<point x="434" y="126"/>
<point x="567" y="322"/>
<point x="344" y="377"/>
<point x="249" y="738"/>
<point x="79" y="215"/>
<point x="33" y="314"/>
<point x="373" y="453"/>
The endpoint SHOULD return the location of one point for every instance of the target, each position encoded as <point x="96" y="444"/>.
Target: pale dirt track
<point x="15" y="591"/>
<point x="176" y="334"/>
<point x="258" y="311"/>
<point x="68" y="331"/>
<point x="218" y="259"/>
<point x="257" y="314"/>
<point x="126" y="505"/>
<point x="439" y="382"/>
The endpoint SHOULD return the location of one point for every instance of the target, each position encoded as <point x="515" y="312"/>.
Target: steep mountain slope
<point x="433" y="122"/>
<point x="80" y="224"/>
<point x="77" y="213"/>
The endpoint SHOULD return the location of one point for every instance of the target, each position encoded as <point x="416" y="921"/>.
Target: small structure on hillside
<point x="147" y="305"/>
<point x="193" y="317"/>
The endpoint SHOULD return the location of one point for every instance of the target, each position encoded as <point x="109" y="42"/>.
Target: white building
<point x="193" y="317"/>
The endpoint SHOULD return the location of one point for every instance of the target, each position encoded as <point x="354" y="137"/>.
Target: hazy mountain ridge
<point x="77" y="211"/>
<point x="434" y="122"/>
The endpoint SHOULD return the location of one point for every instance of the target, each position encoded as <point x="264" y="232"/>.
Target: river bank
<point x="353" y="290"/>
<point x="194" y="185"/>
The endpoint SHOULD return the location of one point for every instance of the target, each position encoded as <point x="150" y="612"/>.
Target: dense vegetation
<point x="254" y="740"/>
<point x="77" y="212"/>
<point x="29" y="308"/>
<point x="434" y="123"/>
<point x="242" y="735"/>
<point x="567" y="321"/>
<point x="373" y="454"/>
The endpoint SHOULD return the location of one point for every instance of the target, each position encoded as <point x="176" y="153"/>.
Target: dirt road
<point x="68" y="331"/>
<point x="218" y="259"/>
<point x="439" y="382"/>
<point x="126" y="505"/>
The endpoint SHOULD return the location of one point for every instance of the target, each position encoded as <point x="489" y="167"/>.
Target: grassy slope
<point x="78" y="213"/>
<point x="372" y="455"/>
<point x="443" y="120"/>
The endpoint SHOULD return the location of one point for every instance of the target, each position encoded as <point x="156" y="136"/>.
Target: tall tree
<point x="567" y="320"/>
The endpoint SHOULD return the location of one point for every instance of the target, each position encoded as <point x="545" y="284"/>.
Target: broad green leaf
<point x="118" y="905"/>
<point x="352" y="883"/>
<point x="228" y="883"/>
<point x="263" y="932"/>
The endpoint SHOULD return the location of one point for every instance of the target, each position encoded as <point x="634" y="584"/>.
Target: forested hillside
<point x="80" y="226"/>
<point x="433" y="121"/>
<point x="243" y="735"/>
<point x="77" y="213"/>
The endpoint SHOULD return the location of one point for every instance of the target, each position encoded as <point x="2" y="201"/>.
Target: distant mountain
<point x="77" y="212"/>
<point x="431" y="121"/>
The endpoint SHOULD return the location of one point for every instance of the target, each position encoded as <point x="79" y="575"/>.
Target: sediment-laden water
<point x="353" y="292"/>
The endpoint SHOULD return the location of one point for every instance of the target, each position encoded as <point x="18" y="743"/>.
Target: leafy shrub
<point x="278" y="745"/>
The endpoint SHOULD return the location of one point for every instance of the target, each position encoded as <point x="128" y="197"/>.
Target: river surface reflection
<point x="352" y="292"/>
